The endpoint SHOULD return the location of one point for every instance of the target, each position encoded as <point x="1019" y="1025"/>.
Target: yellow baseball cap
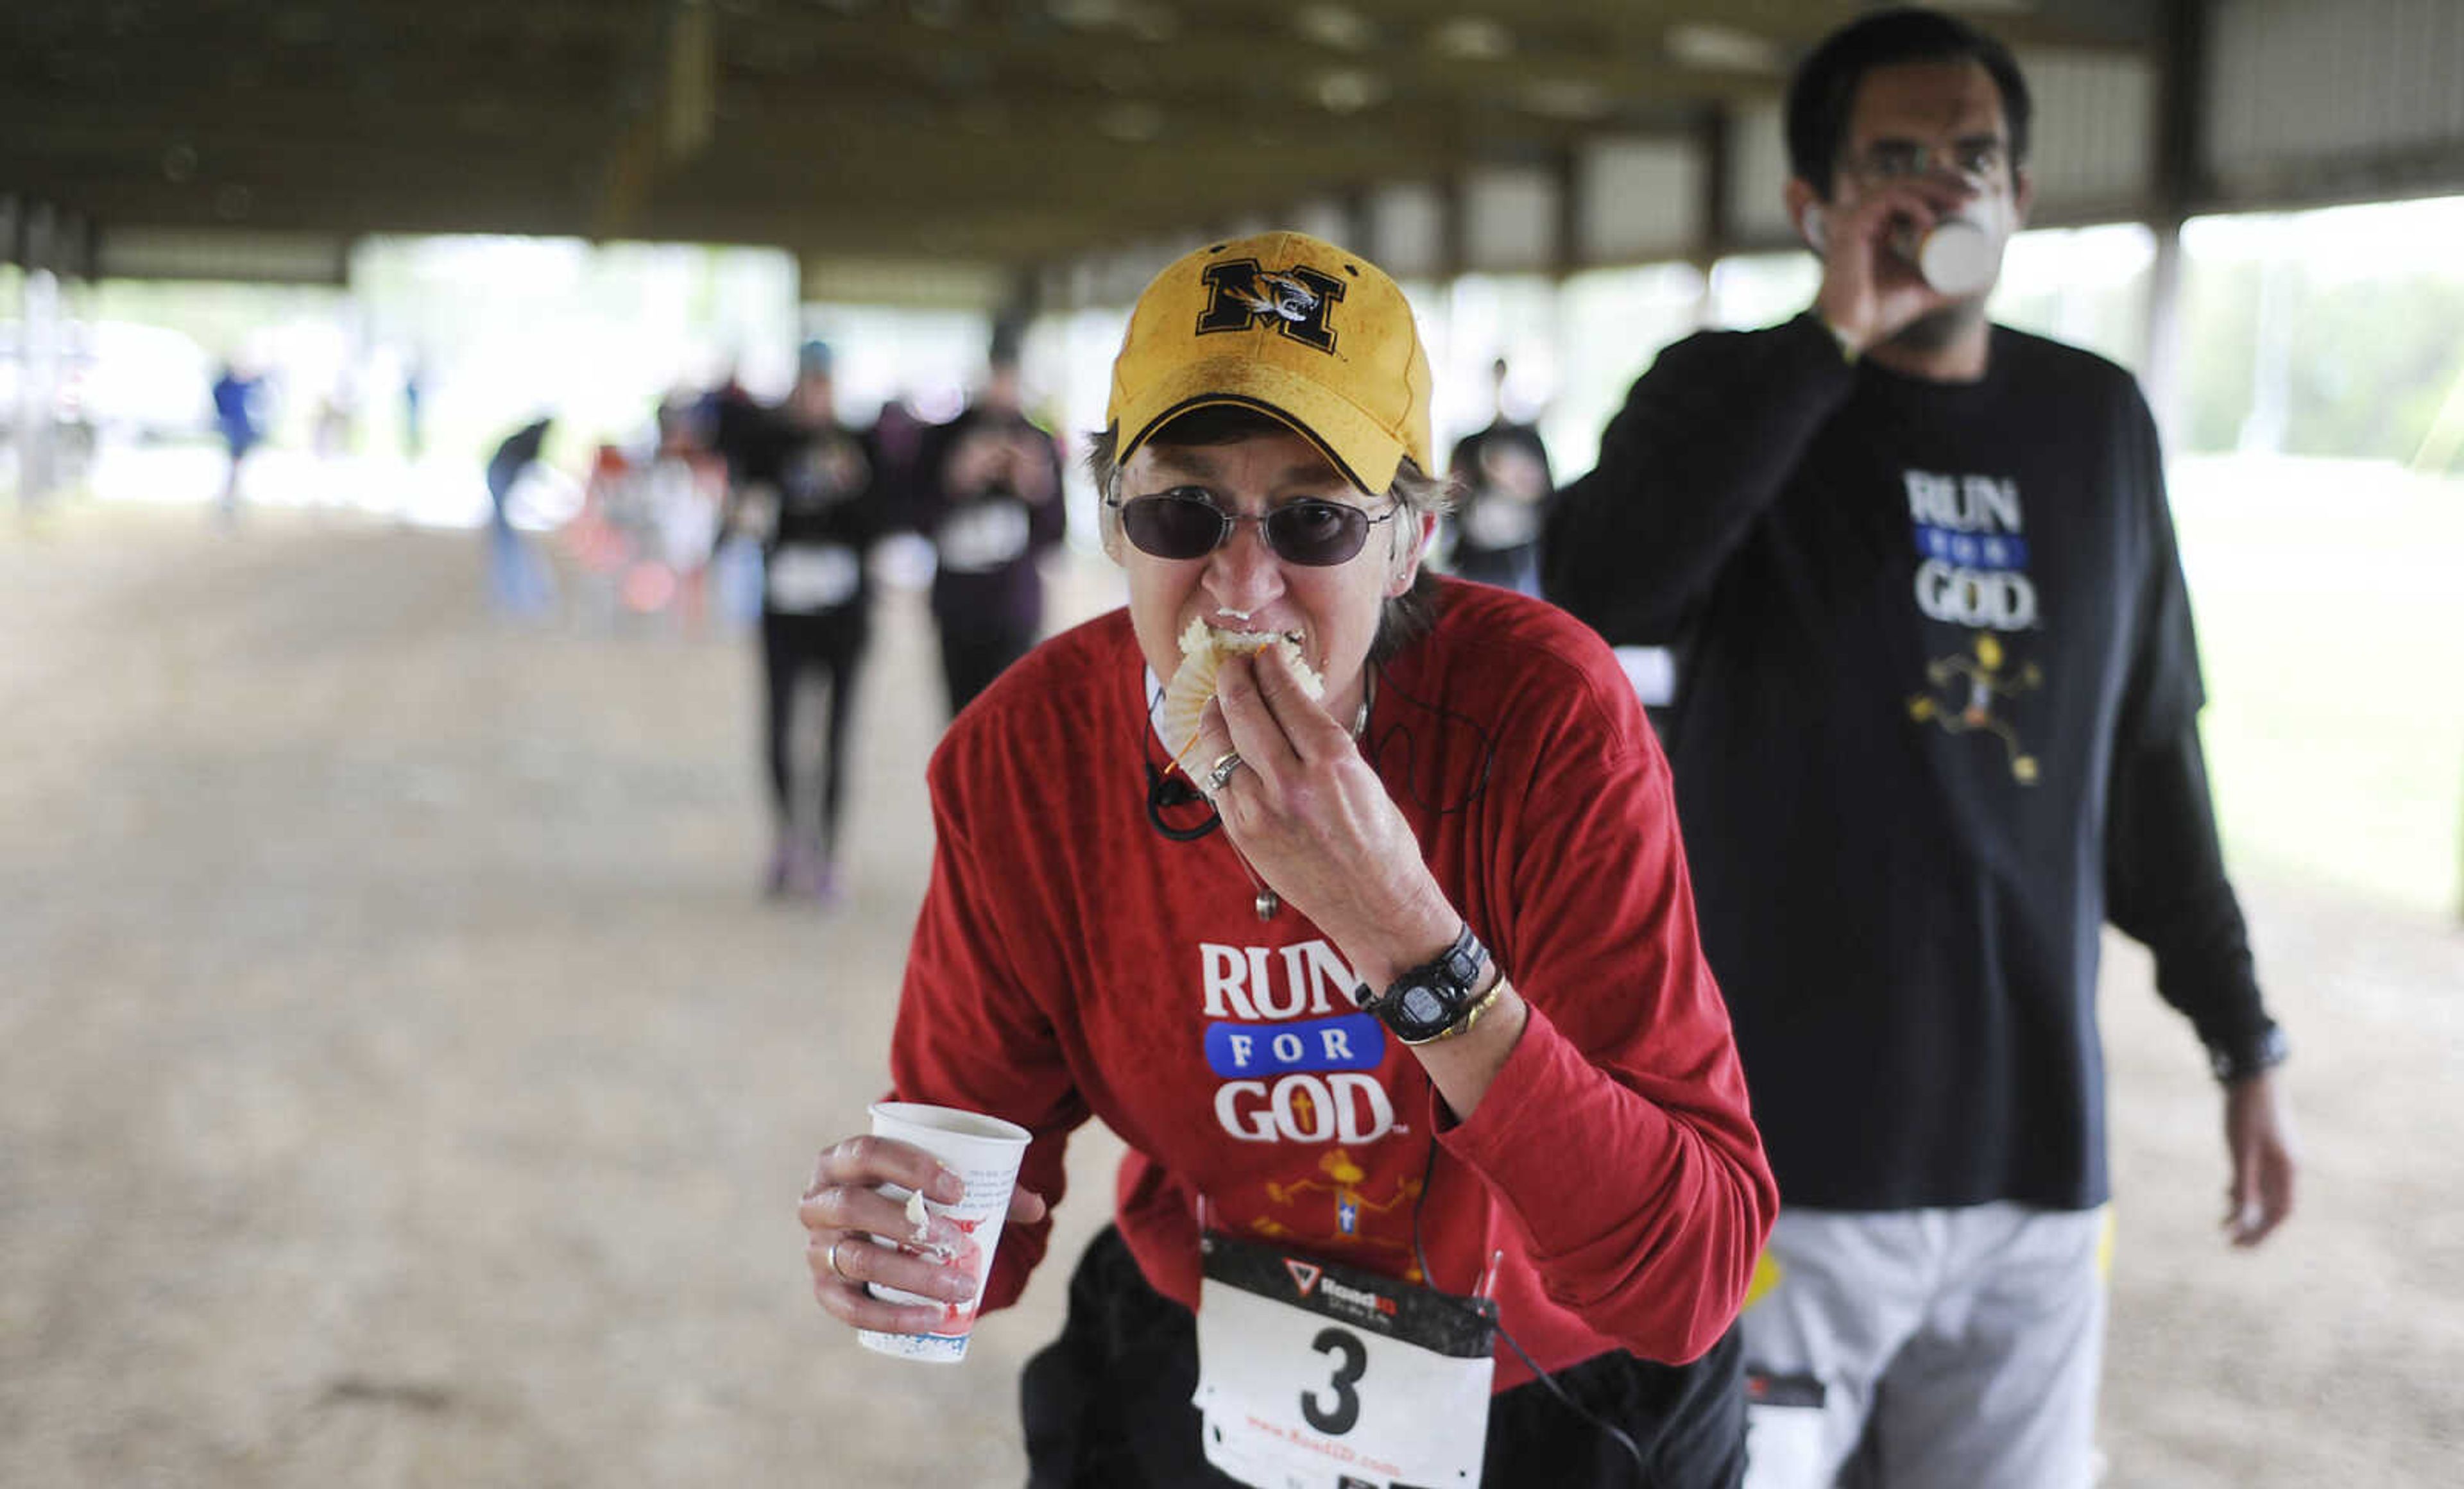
<point x="1289" y="325"/>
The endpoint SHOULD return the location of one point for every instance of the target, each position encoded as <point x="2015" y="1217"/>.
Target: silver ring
<point x="835" y="1260"/>
<point x="1221" y="771"/>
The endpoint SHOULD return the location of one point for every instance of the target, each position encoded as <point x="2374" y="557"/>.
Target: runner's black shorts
<point x="1107" y="1405"/>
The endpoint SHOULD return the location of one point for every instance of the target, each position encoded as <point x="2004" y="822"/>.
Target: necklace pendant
<point x="1267" y="903"/>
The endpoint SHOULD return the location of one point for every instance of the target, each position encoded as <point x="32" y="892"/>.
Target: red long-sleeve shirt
<point x="1073" y="960"/>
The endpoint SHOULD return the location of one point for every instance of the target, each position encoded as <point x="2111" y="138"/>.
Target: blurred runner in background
<point x="988" y="494"/>
<point x="519" y="583"/>
<point x="810" y="491"/>
<point x="1502" y="476"/>
<point x="239" y="418"/>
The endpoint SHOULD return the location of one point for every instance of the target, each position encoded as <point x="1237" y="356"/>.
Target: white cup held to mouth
<point x="984" y="1152"/>
<point x="1956" y="256"/>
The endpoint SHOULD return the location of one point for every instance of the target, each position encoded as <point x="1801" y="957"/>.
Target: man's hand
<point x="1030" y="467"/>
<point x="2259" y="1136"/>
<point x="978" y="463"/>
<point x="1871" y="291"/>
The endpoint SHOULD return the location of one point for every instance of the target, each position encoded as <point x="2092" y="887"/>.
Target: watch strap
<point x="1459" y="963"/>
<point x="1459" y="966"/>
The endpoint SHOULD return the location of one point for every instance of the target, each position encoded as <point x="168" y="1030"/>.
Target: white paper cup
<point x="984" y="1152"/>
<point x="1959" y="257"/>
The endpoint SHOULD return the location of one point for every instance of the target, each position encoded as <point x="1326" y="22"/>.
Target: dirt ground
<point x="403" y="1083"/>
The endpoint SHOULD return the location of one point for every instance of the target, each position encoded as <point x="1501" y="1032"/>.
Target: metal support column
<point x="1713" y="132"/>
<point x="38" y="336"/>
<point x="2179" y="172"/>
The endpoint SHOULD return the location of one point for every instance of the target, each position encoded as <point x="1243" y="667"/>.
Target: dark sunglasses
<point x="1309" y="532"/>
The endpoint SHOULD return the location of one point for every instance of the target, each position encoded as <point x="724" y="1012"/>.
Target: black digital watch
<point x="1423" y="1003"/>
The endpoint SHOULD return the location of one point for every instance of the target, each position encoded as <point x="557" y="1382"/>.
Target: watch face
<point x="1426" y="1001"/>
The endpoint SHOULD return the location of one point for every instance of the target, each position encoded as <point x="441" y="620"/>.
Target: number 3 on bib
<point x="1315" y="1375"/>
<point x="1345" y="1415"/>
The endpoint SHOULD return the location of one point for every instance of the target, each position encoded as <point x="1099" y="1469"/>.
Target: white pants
<point x="1970" y="1341"/>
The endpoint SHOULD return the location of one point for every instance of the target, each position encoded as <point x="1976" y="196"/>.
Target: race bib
<point x="983" y="535"/>
<point x="1315" y="1375"/>
<point x="808" y="578"/>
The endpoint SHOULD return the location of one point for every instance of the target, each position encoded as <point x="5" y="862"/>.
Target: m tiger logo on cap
<point x="1295" y="301"/>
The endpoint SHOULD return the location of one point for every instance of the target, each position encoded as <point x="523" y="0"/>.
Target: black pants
<point x="791" y="646"/>
<point x="1107" y="1405"/>
<point x="976" y="651"/>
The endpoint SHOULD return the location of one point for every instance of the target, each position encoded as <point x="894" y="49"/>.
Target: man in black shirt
<point x="988" y="494"/>
<point x="1939" y="724"/>
<point x="826" y="512"/>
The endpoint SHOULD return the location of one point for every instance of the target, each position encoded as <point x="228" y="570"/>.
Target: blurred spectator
<point x="414" y="388"/>
<point x="897" y="441"/>
<point x="598" y="537"/>
<point x="735" y="433"/>
<point x="988" y="494"/>
<point x="661" y="515"/>
<point x="519" y="581"/>
<point x="726" y="421"/>
<point x="332" y="438"/>
<point x="239" y="418"/>
<point x="1501" y="474"/>
<point x="688" y="487"/>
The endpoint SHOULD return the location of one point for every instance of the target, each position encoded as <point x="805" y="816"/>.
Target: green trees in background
<point x="2301" y="357"/>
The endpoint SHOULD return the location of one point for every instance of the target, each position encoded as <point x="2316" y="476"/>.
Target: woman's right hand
<point x="843" y="1211"/>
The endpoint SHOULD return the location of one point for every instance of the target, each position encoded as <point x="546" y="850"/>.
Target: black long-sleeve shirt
<point x="831" y="510"/>
<point x="988" y="541"/>
<point x="1937" y="723"/>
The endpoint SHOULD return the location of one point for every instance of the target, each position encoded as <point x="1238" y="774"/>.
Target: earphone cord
<point x="1642" y="1468"/>
<point x="1372" y="750"/>
<point x="1169" y="788"/>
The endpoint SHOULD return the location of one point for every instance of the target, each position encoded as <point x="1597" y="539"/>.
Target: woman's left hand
<point x="1315" y="823"/>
